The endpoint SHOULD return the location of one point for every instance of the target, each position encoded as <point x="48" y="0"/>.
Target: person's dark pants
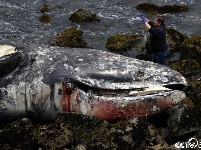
<point x="160" y="57"/>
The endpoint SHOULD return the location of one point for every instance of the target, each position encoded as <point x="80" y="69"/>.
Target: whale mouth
<point x="143" y="91"/>
<point x="175" y="86"/>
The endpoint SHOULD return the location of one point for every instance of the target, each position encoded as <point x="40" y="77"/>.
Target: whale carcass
<point x="48" y="80"/>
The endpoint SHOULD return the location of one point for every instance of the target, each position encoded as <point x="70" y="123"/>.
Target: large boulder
<point x="120" y="42"/>
<point x="44" y="8"/>
<point x="184" y="120"/>
<point x="154" y="9"/>
<point x="191" y="48"/>
<point x="70" y="37"/>
<point x="53" y="136"/>
<point x="17" y="135"/>
<point x="94" y="133"/>
<point x="175" y="39"/>
<point x="82" y="15"/>
<point x="45" y="18"/>
<point x="193" y="91"/>
<point x="187" y="68"/>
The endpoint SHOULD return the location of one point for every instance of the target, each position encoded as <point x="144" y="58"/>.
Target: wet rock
<point x="184" y="120"/>
<point x="193" y="92"/>
<point x="148" y="8"/>
<point x="80" y="125"/>
<point x="175" y="39"/>
<point x="187" y="68"/>
<point x="154" y="9"/>
<point x="121" y="135"/>
<point x="45" y="18"/>
<point x="70" y="37"/>
<point x="191" y="48"/>
<point x="188" y="102"/>
<point x="17" y="135"/>
<point x="53" y="136"/>
<point x="99" y="134"/>
<point x="44" y="8"/>
<point x="120" y="42"/>
<point x="82" y="15"/>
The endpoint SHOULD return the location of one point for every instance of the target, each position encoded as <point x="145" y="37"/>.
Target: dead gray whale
<point x="49" y="80"/>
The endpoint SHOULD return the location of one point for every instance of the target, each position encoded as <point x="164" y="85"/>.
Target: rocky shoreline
<point x="74" y="132"/>
<point x="77" y="132"/>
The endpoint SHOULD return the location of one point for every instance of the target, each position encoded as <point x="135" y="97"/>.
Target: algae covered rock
<point x="44" y="8"/>
<point x="99" y="134"/>
<point x="128" y="134"/>
<point x="53" y="136"/>
<point x="122" y="41"/>
<point x="17" y="135"/>
<point x="70" y="37"/>
<point x="154" y="9"/>
<point x="82" y="15"/>
<point x="186" y="67"/>
<point x="193" y="91"/>
<point x="191" y="48"/>
<point x="45" y="18"/>
<point x="184" y="120"/>
<point x="175" y="39"/>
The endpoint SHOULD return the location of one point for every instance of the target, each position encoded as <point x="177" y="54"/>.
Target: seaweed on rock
<point x="154" y="9"/>
<point x="122" y="41"/>
<point x="82" y="15"/>
<point x="70" y="37"/>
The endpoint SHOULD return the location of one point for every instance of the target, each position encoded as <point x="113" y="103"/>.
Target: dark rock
<point x="80" y="125"/>
<point x="123" y="135"/>
<point x="193" y="92"/>
<point x="70" y="37"/>
<point x="187" y="67"/>
<point x="99" y="134"/>
<point x="53" y="136"/>
<point x="175" y="39"/>
<point x="44" y="8"/>
<point x="17" y="135"/>
<point x="120" y="42"/>
<point x="45" y="18"/>
<point x="184" y="120"/>
<point x="191" y="48"/>
<point x="154" y="9"/>
<point x="148" y="8"/>
<point x="82" y="15"/>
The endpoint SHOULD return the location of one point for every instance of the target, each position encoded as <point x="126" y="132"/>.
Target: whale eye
<point x="140" y="73"/>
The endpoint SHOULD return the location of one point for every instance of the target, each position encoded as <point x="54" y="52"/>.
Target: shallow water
<point x="19" y="19"/>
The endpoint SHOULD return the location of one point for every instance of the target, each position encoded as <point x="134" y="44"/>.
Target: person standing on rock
<point x="158" y="44"/>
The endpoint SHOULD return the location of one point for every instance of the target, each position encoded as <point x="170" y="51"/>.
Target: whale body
<point x="49" y="80"/>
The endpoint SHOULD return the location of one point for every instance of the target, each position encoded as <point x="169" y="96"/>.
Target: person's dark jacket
<point x="157" y="38"/>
